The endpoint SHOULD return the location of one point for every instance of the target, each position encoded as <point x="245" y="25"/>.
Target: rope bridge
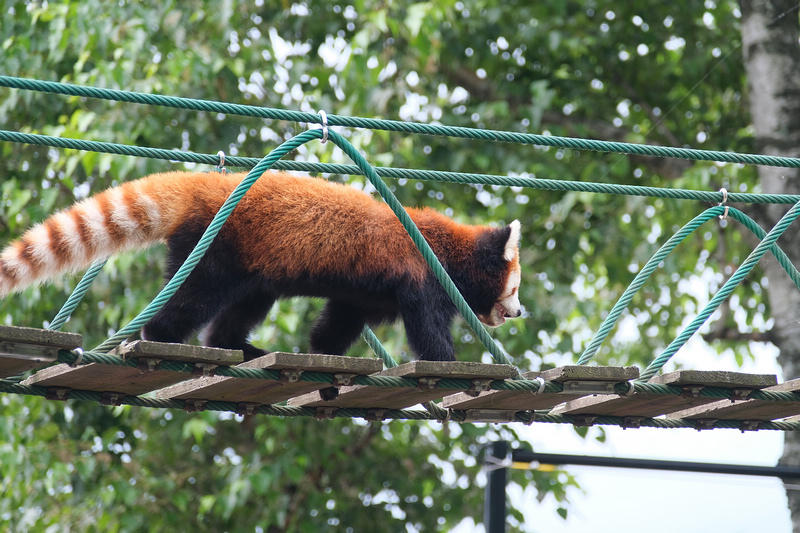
<point x="194" y="378"/>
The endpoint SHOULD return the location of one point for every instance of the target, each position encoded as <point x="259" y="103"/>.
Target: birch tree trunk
<point x="772" y="62"/>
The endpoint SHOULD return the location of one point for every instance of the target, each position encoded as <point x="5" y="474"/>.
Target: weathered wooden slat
<point x="529" y="400"/>
<point x="259" y="391"/>
<point x="429" y="372"/>
<point x="752" y="409"/>
<point x="642" y="404"/>
<point x="23" y="349"/>
<point x="135" y="380"/>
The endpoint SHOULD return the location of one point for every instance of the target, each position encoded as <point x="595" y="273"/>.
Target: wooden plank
<point x="134" y="380"/>
<point x="260" y="391"/>
<point x="179" y="352"/>
<point x="23" y="349"/>
<point x="753" y="409"/>
<point x="643" y="404"/>
<point x="529" y="400"/>
<point x="429" y="372"/>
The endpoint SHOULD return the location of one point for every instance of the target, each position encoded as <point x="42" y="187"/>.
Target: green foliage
<point x="636" y="71"/>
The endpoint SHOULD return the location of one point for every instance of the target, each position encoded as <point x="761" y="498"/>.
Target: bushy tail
<point x="130" y="216"/>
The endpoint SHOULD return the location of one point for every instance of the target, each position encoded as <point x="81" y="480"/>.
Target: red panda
<point x="289" y="236"/>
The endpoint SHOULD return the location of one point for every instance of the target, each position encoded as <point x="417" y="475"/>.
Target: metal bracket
<point x="343" y="379"/>
<point x="146" y="364"/>
<point x="750" y="425"/>
<point x="204" y="369"/>
<point x="58" y="393"/>
<point x="481" y="385"/>
<point x="633" y="422"/>
<point x="740" y="394"/>
<point x="704" y="423"/>
<point x="376" y="415"/>
<point x="194" y="406"/>
<point x="489" y="416"/>
<point x="588" y="387"/>
<point x="691" y="391"/>
<point x="111" y="398"/>
<point x="246" y="408"/>
<point x="425" y="384"/>
<point x="325" y="413"/>
<point x="290" y="376"/>
<point x="584" y="420"/>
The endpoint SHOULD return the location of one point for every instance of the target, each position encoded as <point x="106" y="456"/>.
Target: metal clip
<point x="221" y="166"/>
<point x="204" y="369"/>
<point x="343" y="379"/>
<point x="324" y="117"/>
<point x="704" y="423"/>
<point x="724" y="192"/>
<point x="145" y="364"/>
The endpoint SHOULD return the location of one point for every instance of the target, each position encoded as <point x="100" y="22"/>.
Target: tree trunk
<point x="770" y="31"/>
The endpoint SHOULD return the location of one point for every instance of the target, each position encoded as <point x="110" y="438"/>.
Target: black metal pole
<point x="783" y="472"/>
<point x="494" y="511"/>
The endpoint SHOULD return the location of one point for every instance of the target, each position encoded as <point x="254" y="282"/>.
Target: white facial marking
<point x="513" y="241"/>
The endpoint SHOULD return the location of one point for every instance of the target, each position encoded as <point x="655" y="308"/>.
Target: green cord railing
<point x="395" y="125"/>
<point x="388" y="172"/>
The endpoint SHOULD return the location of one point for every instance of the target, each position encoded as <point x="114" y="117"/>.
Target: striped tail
<point x="125" y="217"/>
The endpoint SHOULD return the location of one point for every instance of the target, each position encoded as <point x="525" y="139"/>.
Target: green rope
<point x="394" y="125"/>
<point x="373" y="342"/>
<point x="388" y="172"/>
<point x="77" y="295"/>
<point x="611" y="320"/>
<point x="745" y="268"/>
<point x="526" y="417"/>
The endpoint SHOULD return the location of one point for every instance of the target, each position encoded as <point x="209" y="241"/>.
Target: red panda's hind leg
<point x="337" y="328"/>
<point x="231" y="327"/>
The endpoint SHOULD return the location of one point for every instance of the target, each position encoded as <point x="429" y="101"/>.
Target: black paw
<point x="329" y="393"/>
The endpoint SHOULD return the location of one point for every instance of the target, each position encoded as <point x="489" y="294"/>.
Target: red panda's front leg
<point x="427" y="316"/>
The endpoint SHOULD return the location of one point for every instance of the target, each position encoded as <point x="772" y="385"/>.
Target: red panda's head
<point x="499" y="298"/>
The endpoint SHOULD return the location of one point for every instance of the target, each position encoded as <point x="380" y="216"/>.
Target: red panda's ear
<point x="510" y="248"/>
<point x="500" y="242"/>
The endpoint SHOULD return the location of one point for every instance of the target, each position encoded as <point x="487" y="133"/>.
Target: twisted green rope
<point x="388" y="172"/>
<point x="745" y="268"/>
<point x="373" y="342"/>
<point x="526" y="417"/>
<point x="77" y="295"/>
<point x="394" y="125"/>
<point x="611" y="320"/>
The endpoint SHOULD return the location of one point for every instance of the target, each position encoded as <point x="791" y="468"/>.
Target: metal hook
<point x="221" y="165"/>
<point x="324" y="126"/>
<point x="724" y="192"/>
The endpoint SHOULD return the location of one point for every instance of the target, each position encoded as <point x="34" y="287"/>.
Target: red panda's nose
<point x="509" y="315"/>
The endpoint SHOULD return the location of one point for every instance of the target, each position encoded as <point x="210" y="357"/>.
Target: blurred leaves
<point x="640" y="72"/>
